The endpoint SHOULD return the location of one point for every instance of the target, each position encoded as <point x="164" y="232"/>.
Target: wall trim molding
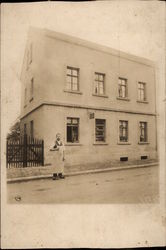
<point x="69" y="105"/>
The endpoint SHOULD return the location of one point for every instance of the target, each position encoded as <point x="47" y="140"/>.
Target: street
<point x="139" y="185"/>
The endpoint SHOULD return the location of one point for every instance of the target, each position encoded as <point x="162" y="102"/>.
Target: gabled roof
<point x="91" y="45"/>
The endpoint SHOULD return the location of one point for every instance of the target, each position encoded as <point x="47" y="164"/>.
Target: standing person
<point x="58" y="158"/>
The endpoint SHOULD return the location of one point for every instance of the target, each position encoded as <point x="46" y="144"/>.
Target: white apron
<point x="57" y="159"/>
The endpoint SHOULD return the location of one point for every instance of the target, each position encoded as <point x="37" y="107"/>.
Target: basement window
<point x="123" y="158"/>
<point x="144" y="157"/>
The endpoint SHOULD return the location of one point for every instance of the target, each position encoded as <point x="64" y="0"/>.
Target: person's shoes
<point x="55" y="177"/>
<point x="61" y="176"/>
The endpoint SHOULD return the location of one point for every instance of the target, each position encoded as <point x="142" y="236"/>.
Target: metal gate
<point x="24" y="152"/>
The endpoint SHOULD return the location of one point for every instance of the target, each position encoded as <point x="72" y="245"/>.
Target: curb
<point x="29" y="178"/>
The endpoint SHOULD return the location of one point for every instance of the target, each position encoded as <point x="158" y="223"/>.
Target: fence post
<point x="25" y="151"/>
<point x="42" y="152"/>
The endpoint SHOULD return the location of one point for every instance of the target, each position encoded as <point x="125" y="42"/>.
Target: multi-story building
<point x="101" y="100"/>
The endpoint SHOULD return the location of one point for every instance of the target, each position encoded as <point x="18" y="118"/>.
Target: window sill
<point x="73" y="92"/>
<point x="105" y="96"/>
<point x="142" y="101"/>
<point x="142" y="143"/>
<point x="124" y="143"/>
<point x="123" y="99"/>
<point x="31" y="99"/>
<point x="73" y="144"/>
<point x="100" y="143"/>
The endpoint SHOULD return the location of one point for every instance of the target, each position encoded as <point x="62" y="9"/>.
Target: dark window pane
<point x="75" y="134"/>
<point x="69" y="134"/>
<point x="100" y="130"/>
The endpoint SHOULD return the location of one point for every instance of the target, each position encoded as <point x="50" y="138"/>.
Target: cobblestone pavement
<point x="125" y="186"/>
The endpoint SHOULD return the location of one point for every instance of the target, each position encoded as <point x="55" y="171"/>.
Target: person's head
<point x="58" y="136"/>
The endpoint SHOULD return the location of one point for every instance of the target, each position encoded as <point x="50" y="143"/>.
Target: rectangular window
<point x="100" y="130"/>
<point x="31" y="89"/>
<point x="72" y="79"/>
<point x="99" y="87"/>
<point x="25" y="97"/>
<point x="123" y="131"/>
<point x="141" y="91"/>
<point x="72" y="130"/>
<point x="122" y="87"/>
<point x="27" y="60"/>
<point x="31" y="129"/>
<point x="143" y="131"/>
<point x="123" y="158"/>
<point x="144" y="157"/>
<point x="25" y="129"/>
<point x="30" y="53"/>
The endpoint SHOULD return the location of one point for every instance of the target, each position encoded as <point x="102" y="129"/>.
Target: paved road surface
<point x="125" y="186"/>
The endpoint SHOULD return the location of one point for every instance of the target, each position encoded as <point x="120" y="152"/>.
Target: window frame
<point x="139" y="91"/>
<point x="72" y="76"/>
<point x="98" y="81"/>
<point x="29" y="56"/>
<point x="31" y="89"/>
<point x="126" y="88"/>
<point x="72" y="125"/>
<point x="119" y="134"/>
<point x="145" y="132"/>
<point x="30" y="53"/>
<point x="25" y="97"/>
<point x="100" y="141"/>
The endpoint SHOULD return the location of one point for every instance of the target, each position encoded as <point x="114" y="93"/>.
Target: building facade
<point x="102" y="101"/>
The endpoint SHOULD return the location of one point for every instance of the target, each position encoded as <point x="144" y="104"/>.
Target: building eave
<point x="69" y="105"/>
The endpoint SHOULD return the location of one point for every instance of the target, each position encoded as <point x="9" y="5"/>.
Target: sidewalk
<point x="34" y="173"/>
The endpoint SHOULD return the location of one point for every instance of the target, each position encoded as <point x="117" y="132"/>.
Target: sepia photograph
<point x="87" y="126"/>
<point x="83" y="95"/>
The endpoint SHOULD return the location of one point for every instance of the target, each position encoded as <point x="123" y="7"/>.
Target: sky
<point x="136" y="27"/>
